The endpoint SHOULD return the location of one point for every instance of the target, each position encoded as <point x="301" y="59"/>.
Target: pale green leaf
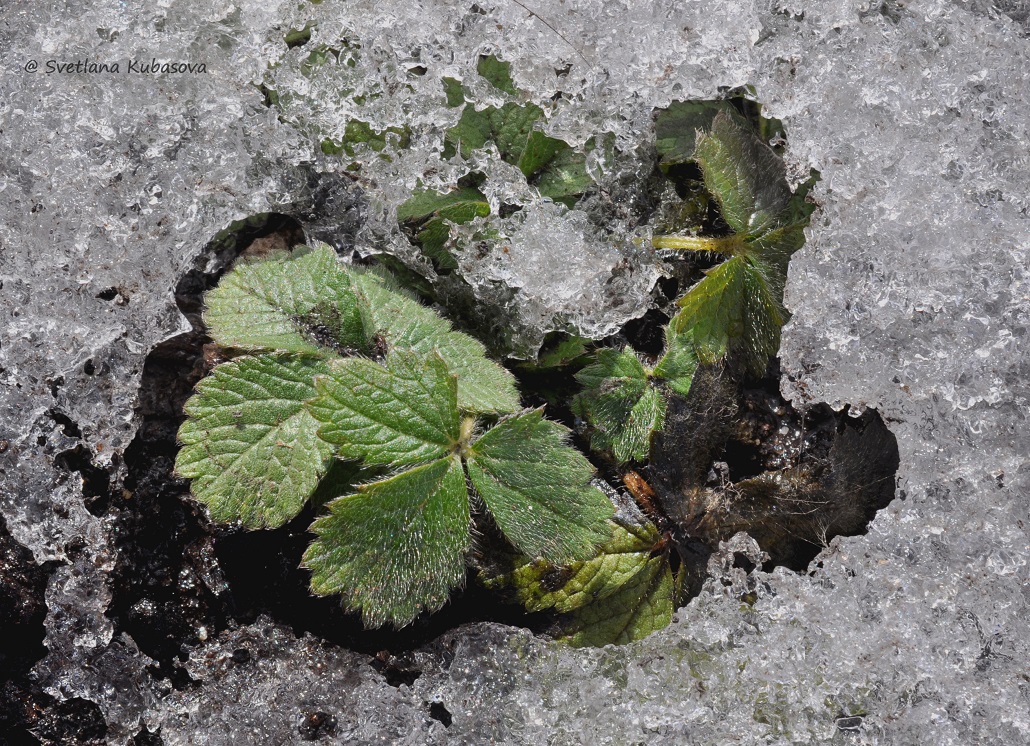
<point x="405" y="412"/>
<point x="397" y="547"/>
<point x="540" y="585"/>
<point x="744" y="175"/>
<point x="537" y="488"/>
<point x="621" y="405"/>
<point x="249" y="445"/>
<point x="622" y="594"/>
<point x="483" y="385"/>
<point x="641" y="606"/>
<point x="294" y="302"/>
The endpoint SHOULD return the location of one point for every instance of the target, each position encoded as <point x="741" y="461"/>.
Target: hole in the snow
<point x="437" y="711"/>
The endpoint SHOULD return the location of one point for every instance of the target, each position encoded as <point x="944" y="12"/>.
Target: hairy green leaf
<point x="537" y="488"/>
<point x="403" y="413"/>
<point x="295" y="302"/>
<point x="621" y="404"/>
<point x="565" y="351"/>
<point x="735" y="308"/>
<point x="397" y="547"/>
<point x="678" y="363"/>
<point x="483" y="385"/>
<point x="249" y="445"/>
<point x="743" y="174"/>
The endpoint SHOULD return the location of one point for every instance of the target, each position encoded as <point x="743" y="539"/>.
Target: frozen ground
<point x="911" y="296"/>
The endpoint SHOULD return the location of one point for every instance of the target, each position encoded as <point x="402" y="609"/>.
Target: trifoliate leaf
<point x="483" y="385"/>
<point x="295" y="302"/>
<point x="734" y="308"/>
<point x="249" y="445"/>
<point x="620" y="403"/>
<point x="397" y="547"/>
<point x="679" y="362"/>
<point x="403" y="413"/>
<point x="537" y="488"/>
<point x="743" y="174"/>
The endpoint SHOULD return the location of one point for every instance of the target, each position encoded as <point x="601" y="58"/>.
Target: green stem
<point x="727" y="245"/>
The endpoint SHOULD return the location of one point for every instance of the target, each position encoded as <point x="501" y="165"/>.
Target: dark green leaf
<point x="676" y="128"/>
<point x="537" y="488"/>
<point x="497" y="73"/>
<point x="455" y="93"/>
<point x="249" y="445"/>
<point x="397" y="547"/>
<point x="620" y="403"/>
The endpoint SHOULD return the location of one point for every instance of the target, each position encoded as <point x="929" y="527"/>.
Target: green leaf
<point x="676" y="128"/>
<point x="249" y="445"/>
<point x="735" y="308"/>
<point x="427" y="203"/>
<point x="362" y="133"/>
<point x="539" y="151"/>
<point x="454" y="92"/>
<point x="403" y="413"/>
<point x="538" y="489"/>
<point x="483" y="385"/>
<point x="473" y="130"/>
<point x="565" y="351"/>
<point x="497" y="73"/>
<point x="622" y="594"/>
<point x="397" y="547"/>
<point x="744" y="175"/>
<point x="622" y="406"/>
<point x="640" y="607"/>
<point x="679" y="362"/>
<point x="564" y="177"/>
<point x="295" y="302"/>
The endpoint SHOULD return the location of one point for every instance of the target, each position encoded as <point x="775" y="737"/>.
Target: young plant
<point x="734" y="314"/>
<point x="731" y="318"/>
<point x="338" y="363"/>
